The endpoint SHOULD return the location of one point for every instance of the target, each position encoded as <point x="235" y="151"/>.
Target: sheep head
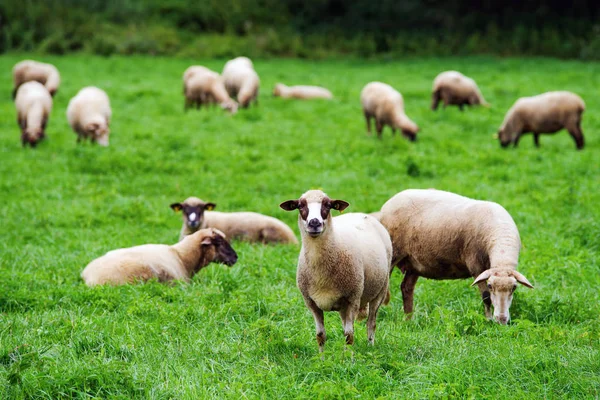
<point x="193" y="211"/>
<point x="314" y="209"/>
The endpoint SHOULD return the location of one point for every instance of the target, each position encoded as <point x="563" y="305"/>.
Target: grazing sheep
<point x="545" y="113"/>
<point x="203" y="86"/>
<point x="89" y="115"/>
<point x="178" y="262"/>
<point x="453" y="88"/>
<point x="386" y="105"/>
<point x="28" y="70"/>
<point x="34" y="104"/>
<point x="301" y="92"/>
<point x="441" y="235"/>
<point x="249" y="226"/>
<point x="344" y="263"/>
<point x="241" y="80"/>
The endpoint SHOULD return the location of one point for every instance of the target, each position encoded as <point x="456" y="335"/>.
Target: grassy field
<point x="244" y="332"/>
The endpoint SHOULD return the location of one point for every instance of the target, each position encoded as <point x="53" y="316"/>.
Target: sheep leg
<point x="372" y="319"/>
<point x="394" y="131"/>
<point x="435" y="100"/>
<point x="536" y="139"/>
<point x="577" y="135"/>
<point x="378" y="127"/>
<point x="408" y="291"/>
<point x="516" y="140"/>
<point x="368" y="119"/>
<point x="319" y="323"/>
<point x="461" y="107"/>
<point x="348" y="316"/>
<point x="485" y="297"/>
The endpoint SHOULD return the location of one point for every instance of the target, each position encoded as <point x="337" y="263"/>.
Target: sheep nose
<point x="503" y="319"/>
<point x="314" y="223"/>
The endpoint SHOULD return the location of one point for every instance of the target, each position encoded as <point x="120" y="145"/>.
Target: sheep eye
<point x="489" y="286"/>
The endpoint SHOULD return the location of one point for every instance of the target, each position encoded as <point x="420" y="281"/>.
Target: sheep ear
<point x="521" y="279"/>
<point x="482" y="277"/>
<point x="339" y="205"/>
<point x="209" y="206"/>
<point x="176" y="206"/>
<point x="289" y="205"/>
<point x="206" y="241"/>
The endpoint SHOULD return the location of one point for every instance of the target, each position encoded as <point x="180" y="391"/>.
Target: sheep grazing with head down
<point x="34" y="104"/>
<point x="301" y="92"/>
<point x="248" y="226"/>
<point x="545" y="113"/>
<point x="201" y="86"/>
<point x="28" y="70"/>
<point x="453" y="88"/>
<point x="344" y="263"/>
<point x="241" y="80"/>
<point x="386" y="105"/>
<point x="165" y="263"/>
<point x="89" y="115"/>
<point x="441" y="235"/>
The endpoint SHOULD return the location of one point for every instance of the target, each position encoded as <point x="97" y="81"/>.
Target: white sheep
<point x="386" y="105"/>
<point x="89" y="115"/>
<point x="545" y="113"/>
<point x="344" y="263"/>
<point x="301" y="92"/>
<point x="241" y="80"/>
<point x="165" y="263"/>
<point x="33" y="103"/>
<point x="28" y="70"/>
<point x="441" y="235"/>
<point x="248" y="226"/>
<point x="203" y="86"/>
<point x="454" y="88"/>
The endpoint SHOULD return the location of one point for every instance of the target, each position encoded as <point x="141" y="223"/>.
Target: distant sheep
<point x="441" y="235"/>
<point x="248" y="226"/>
<point x="545" y="113"/>
<point x="165" y="263"/>
<point x="386" y="105"/>
<point x="201" y="86"/>
<point x="34" y="104"/>
<point x="241" y="80"/>
<point x="89" y="115"/>
<point x="453" y="88"/>
<point x="301" y="92"/>
<point x="28" y="70"/>
<point x="344" y="263"/>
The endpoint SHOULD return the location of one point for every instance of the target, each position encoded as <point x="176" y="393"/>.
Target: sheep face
<point x="230" y="106"/>
<point x="98" y="132"/>
<point x="193" y="211"/>
<point x="277" y="90"/>
<point x="314" y="211"/>
<point x="504" y="137"/>
<point x="216" y="248"/>
<point x="32" y="136"/>
<point x="501" y="284"/>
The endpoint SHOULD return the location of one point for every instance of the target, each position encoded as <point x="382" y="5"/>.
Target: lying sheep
<point x="241" y="80"/>
<point x="28" y="70"/>
<point x="545" y="113"/>
<point x="301" y="92"/>
<point x="441" y="235"/>
<point x="89" y="115"/>
<point x="453" y="88"/>
<point x="386" y="105"/>
<point x="203" y="86"/>
<point x="178" y="262"/>
<point x="248" y="226"/>
<point x="34" y="104"/>
<point x="344" y="263"/>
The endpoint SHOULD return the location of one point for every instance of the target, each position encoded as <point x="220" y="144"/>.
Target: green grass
<point x="244" y="332"/>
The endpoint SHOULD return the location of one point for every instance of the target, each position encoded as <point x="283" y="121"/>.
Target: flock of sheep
<point x="345" y="261"/>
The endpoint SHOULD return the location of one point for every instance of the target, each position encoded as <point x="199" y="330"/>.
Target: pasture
<point x="244" y="331"/>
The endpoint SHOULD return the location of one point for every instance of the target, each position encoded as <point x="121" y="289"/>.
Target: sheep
<point x="301" y="92"/>
<point x="386" y="105"/>
<point x="203" y="86"/>
<point x="89" y="115"/>
<point x="241" y="80"/>
<point x="33" y="103"/>
<point x="344" y="263"/>
<point x="545" y="113"/>
<point x="441" y="235"/>
<point x="248" y="226"/>
<point x="180" y="261"/>
<point x="28" y="70"/>
<point x="453" y="88"/>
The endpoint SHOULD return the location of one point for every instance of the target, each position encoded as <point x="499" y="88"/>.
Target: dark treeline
<point x="305" y="28"/>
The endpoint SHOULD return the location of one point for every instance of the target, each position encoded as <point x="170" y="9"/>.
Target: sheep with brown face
<point x="180" y="261"/>
<point x="453" y="88"/>
<point x="441" y="235"/>
<point x="201" y="86"/>
<point x="545" y="113"/>
<point x="386" y="105"/>
<point x="344" y="263"/>
<point x="302" y="92"/>
<point x="241" y="80"/>
<point x="248" y="226"/>
<point x="28" y="70"/>
<point x="33" y="103"/>
<point x="89" y="115"/>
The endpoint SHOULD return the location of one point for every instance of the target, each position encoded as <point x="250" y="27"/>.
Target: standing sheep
<point x="29" y="70"/>
<point x="89" y="115"/>
<point x="241" y="80"/>
<point x="203" y="86"/>
<point x="33" y="103"/>
<point x="386" y="105"/>
<point x="344" y="263"/>
<point x="249" y="226"/>
<point x="545" y="113"/>
<point x="301" y="92"/>
<point x="178" y="262"/>
<point x="441" y="235"/>
<point x="453" y="88"/>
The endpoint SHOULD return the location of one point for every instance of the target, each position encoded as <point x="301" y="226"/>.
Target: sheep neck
<point x="191" y="255"/>
<point x="321" y="253"/>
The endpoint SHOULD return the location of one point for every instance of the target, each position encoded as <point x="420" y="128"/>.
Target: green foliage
<point x="244" y="331"/>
